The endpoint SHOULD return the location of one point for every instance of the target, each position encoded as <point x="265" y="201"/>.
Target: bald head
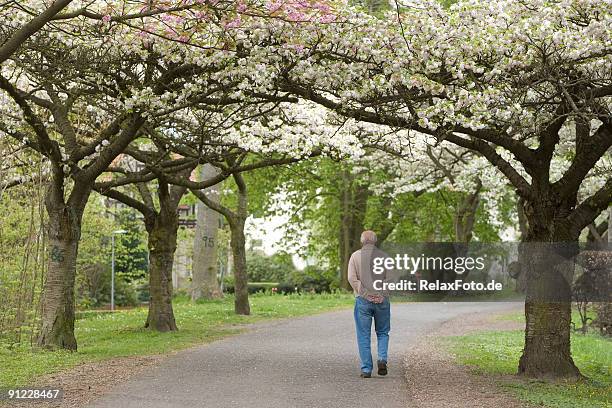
<point x="368" y="237"/>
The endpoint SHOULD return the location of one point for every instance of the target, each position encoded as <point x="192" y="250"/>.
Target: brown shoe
<point x="366" y="375"/>
<point x="382" y="367"/>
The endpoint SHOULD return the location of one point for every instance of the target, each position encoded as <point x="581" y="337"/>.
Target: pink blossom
<point x="202" y="15"/>
<point x="234" y="23"/>
<point x="274" y="6"/>
<point x="327" y="18"/>
<point x="322" y="6"/>
<point x="298" y="47"/>
<point x="295" y="15"/>
<point x="106" y="18"/>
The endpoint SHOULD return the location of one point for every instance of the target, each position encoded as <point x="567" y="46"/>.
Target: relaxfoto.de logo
<point x="424" y="285"/>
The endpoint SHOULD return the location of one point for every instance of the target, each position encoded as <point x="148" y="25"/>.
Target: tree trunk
<point x="610" y="226"/>
<point x="596" y="277"/>
<point x="604" y="309"/>
<point x="465" y="215"/>
<point x="230" y="260"/>
<point x="162" y="245"/>
<point x="241" y="290"/>
<point x="353" y="204"/>
<point x="204" y="282"/>
<point x="463" y="222"/>
<point x="344" y="245"/>
<point x="521" y="279"/>
<point x="361" y="193"/>
<point x="548" y="320"/>
<point x="547" y="341"/>
<point x="236" y="220"/>
<point x="64" y="231"/>
<point x="162" y="228"/>
<point x="550" y="249"/>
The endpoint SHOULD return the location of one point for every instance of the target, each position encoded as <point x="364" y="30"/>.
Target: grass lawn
<point x="498" y="353"/>
<point x="106" y="335"/>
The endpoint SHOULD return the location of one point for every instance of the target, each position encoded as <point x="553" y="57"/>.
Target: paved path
<point x="307" y="362"/>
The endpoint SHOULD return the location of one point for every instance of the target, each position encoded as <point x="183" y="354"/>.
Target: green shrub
<point x="274" y="268"/>
<point x="313" y="279"/>
<point x="253" y="287"/>
<point x="142" y="289"/>
<point x="286" y="288"/>
<point x="126" y="293"/>
<point x="228" y="282"/>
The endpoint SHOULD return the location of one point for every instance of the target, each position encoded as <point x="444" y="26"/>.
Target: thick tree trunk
<point x="548" y="315"/>
<point x="547" y="341"/>
<point x="204" y="283"/>
<point x="241" y="290"/>
<point x="162" y="227"/>
<point x="64" y="231"/>
<point x="550" y="249"/>
<point x="162" y="245"/>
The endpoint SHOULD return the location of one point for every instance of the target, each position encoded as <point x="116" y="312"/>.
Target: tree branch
<point x="30" y="28"/>
<point x="590" y="208"/>
<point x="588" y="152"/>
<point x="49" y="147"/>
<point x="226" y="212"/>
<point x="518" y="181"/>
<point x="145" y="210"/>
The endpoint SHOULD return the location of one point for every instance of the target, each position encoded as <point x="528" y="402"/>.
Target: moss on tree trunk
<point x="162" y="246"/>
<point x="549" y="259"/>
<point x="58" y="302"/>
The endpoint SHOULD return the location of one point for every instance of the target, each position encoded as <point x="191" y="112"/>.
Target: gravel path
<point x="304" y="362"/>
<point x="436" y="379"/>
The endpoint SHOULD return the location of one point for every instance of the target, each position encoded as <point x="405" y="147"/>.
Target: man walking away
<point x="369" y="304"/>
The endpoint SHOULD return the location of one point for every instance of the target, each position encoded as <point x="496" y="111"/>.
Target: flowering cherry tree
<point x="81" y="88"/>
<point x="502" y="79"/>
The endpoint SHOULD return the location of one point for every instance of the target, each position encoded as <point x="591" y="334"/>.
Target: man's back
<point x="360" y="271"/>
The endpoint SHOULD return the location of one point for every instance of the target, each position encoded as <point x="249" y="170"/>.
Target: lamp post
<point x="113" y="266"/>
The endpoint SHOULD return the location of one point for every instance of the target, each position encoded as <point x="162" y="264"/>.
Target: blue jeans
<point x="364" y="312"/>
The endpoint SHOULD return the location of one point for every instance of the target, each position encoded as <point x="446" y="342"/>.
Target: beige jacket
<point x="360" y="274"/>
